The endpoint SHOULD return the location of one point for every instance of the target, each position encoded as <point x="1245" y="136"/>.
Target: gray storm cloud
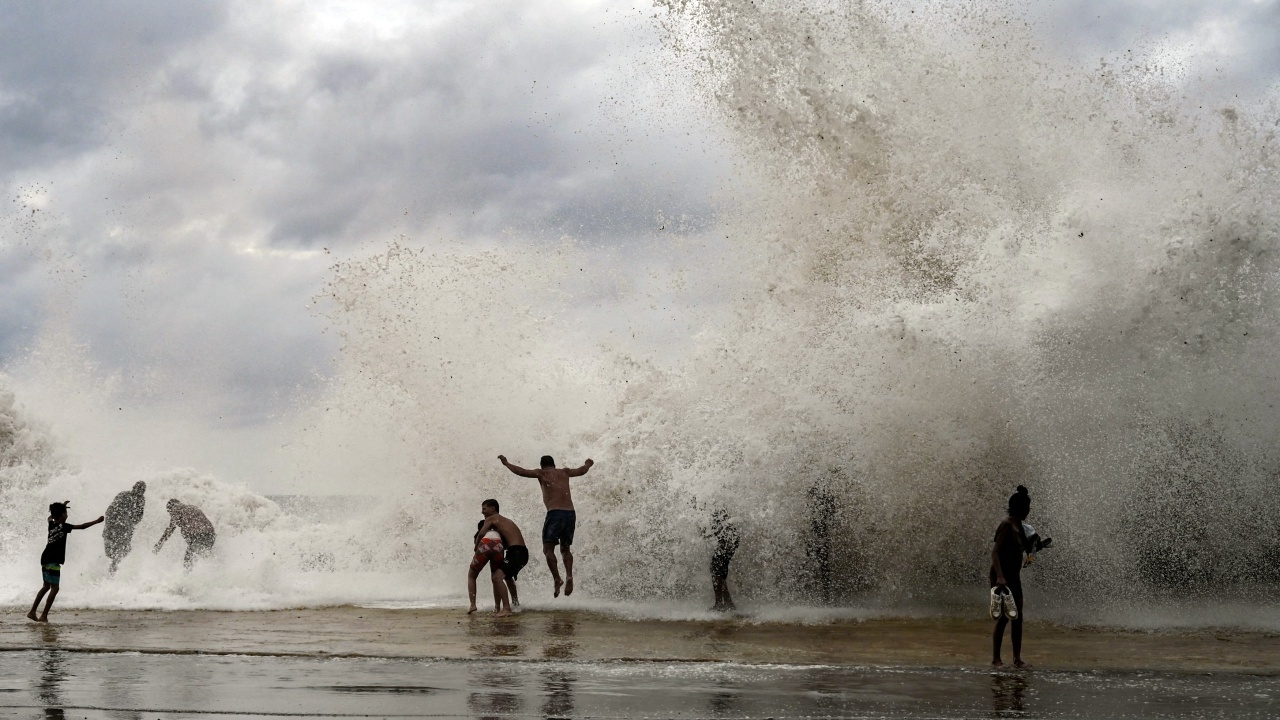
<point x="180" y="178"/>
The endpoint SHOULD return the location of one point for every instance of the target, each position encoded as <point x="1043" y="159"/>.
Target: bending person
<point x="123" y="515"/>
<point x="517" y="555"/>
<point x="561" y="518"/>
<point x="488" y="549"/>
<point x="195" y="527"/>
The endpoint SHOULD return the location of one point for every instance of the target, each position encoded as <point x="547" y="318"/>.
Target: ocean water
<point x="943" y="267"/>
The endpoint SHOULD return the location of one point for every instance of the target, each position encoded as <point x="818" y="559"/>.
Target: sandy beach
<point x="361" y="662"/>
<point x="576" y="635"/>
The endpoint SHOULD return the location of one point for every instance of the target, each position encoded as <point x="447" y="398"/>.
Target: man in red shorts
<point x="517" y="555"/>
<point x="489" y="551"/>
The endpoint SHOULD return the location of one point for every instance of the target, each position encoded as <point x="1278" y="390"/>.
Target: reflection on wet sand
<point x="52" y="674"/>
<point x="560" y="633"/>
<point x="558" y="684"/>
<point x="501" y="695"/>
<point x="725" y="701"/>
<point x="1008" y="694"/>
<point x="487" y="629"/>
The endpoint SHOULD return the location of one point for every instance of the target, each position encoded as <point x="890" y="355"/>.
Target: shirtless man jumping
<point x="561" y="518"/>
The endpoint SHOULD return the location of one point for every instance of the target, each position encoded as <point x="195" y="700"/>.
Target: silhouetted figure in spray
<point x="822" y="507"/>
<point x="123" y="515"/>
<point x="195" y="527"/>
<point x="725" y="533"/>
<point x="1006" y="568"/>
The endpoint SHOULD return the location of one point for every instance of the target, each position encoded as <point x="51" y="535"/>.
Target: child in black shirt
<point x="54" y="555"/>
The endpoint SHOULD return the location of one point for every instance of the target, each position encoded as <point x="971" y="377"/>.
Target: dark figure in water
<point x="123" y="515"/>
<point x="195" y="527"/>
<point x="726" y="536"/>
<point x="822" y="508"/>
<point x="1006" y="566"/>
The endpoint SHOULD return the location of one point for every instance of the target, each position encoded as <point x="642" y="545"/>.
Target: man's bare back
<point x="511" y="534"/>
<point x="554" y="482"/>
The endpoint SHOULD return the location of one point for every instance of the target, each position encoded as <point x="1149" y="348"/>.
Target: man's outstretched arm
<point x="575" y="472"/>
<point x="168" y="531"/>
<point x="89" y="524"/>
<point x="517" y="469"/>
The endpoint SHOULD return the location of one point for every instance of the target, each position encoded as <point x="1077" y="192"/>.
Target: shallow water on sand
<point x="62" y="684"/>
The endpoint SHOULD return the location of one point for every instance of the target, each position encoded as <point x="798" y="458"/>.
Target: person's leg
<point x="1016" y="632"/>
<point x="39" y="596"/>
<point x="471" y="588"/>
<point x="190" y="557"/>
<point x="516" y="558"/>
<point x="567" y="554"/>
<point x="512" y="591"/>
<point x="501" y="601"/>
<point x="997" y="638"/>
<point x="717" y="587"/>
<point x="48" y="603"/>
<point x="728" y="599"/>
<point x="549" y="551"/>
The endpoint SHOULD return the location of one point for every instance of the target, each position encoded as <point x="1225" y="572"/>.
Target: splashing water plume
<point x="967" y="270"/>
<point x="958" y="265"/>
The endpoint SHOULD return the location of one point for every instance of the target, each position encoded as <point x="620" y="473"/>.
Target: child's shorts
<point x="52" y="573"/>
<point x="490" y="552"/>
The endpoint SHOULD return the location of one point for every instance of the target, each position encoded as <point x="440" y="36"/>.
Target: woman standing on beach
<point x="1006" y="566"/>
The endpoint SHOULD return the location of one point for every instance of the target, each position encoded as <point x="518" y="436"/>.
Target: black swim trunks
<point x="558" y="528"/>
<point x="517" y="557"/>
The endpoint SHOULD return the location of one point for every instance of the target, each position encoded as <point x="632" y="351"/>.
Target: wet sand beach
<point x="362" y="662"/>
<point x="591" y="636"/>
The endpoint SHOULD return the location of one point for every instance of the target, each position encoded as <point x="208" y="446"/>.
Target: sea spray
<point x="951" y="264"/>
<point x="969" y="268"/>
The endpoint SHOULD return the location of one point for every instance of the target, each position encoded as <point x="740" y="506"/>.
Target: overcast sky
<point x="178" y="178"/>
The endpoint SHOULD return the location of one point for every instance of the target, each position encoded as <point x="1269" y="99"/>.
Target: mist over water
<point x="947" y="264"/>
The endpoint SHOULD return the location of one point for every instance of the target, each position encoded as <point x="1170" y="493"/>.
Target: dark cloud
<point x="184" y="170"/>
<point x="65" y="66"/>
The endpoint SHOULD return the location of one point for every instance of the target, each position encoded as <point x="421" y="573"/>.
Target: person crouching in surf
<point x="1006" y="580"/>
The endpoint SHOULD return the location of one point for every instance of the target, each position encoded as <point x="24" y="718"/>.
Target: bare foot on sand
<point x="997" y="664"/>
<point x="32" y="615"/>
<point x="1021" y="665"/>
<point x="473" y="609"/>
<point x="502" y="613"/>
<point x="43" y="619"/>
<point x="568" y="586"/>
<point x="558" y="584"/>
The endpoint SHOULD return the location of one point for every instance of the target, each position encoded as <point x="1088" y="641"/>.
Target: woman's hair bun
<point x="1022" y="490"/>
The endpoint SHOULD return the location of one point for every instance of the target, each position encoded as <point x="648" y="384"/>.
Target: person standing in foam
<point x="561" y="517"/>
<point x="123" y="515"/>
